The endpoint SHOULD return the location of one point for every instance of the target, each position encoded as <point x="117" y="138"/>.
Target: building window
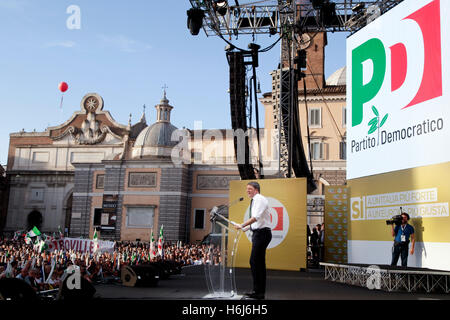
<point x="344" y="117"/>
<point x="165" y="114"/>
<point x="343" y="150"/>
<point x="37" y="194"/>
<point x="98" y="217"/>
<point x="140" y="216"/>
<point x="316" y="150"/>
<point x="315" y="117"/>
<point x="100" y="181"/>
<point x="199" y="218"/>
<point x="319" y="150"/>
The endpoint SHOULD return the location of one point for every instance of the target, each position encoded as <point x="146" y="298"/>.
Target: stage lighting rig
<point x="328" y="13"/>
<point x="195" y="20"/>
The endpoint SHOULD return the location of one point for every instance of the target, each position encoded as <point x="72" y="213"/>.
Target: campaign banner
<point x="423" y="193"/>
<point x="398" y="159"/>
<point x="398" y="95"/>
<point x="336" y="224"/>
<point x="80" y="245"/>
<point x="287" y="206"/>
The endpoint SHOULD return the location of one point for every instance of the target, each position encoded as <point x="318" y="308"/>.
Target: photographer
<point x="401" y="234"/>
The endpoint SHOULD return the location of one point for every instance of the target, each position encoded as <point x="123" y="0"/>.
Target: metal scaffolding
<point x="290" y="20"/>
<point x="390" y="279"/>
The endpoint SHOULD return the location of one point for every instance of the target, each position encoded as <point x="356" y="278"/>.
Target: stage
<point x="389" y="278"/>
<point x="281" y="285"/>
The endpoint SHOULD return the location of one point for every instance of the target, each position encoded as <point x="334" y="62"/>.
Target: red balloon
<point x="63" y="87"/>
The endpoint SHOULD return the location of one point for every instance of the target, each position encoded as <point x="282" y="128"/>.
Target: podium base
<point x="222" y="296"/>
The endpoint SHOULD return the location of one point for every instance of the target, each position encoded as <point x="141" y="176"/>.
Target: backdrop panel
<point x="287" y="202"/>
<point x="398" y="98"/>
<point x="336" y="224"/>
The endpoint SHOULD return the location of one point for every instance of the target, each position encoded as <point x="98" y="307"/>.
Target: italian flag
<point x="42" y="246"/>
<point x="152" y="247"/>
<point x="61" y="234"/>
<point x="33" y="232"/>
<point x="95" y="239"/>
<point x="161" y="242"/>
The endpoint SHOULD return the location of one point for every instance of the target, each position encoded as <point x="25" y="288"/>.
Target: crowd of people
<point x="44" y="270"/>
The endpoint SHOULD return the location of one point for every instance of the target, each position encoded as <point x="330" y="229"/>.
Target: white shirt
<point x="260" y="211"/>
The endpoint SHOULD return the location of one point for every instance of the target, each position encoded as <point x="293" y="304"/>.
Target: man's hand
<point x="238" y="226"/>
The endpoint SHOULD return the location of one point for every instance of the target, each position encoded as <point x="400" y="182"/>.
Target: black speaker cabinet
<point x="140" y="275"/>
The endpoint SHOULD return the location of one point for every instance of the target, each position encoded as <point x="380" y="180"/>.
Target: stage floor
<point x="396" y="268"/>
<point x="281" y="285"/>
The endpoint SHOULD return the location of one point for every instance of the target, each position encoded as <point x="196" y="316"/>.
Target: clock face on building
<point x="305" y="41"/>
<point x="91" y="104"/>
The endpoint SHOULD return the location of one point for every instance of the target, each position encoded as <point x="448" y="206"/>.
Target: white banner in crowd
<point x="80" y="245"/>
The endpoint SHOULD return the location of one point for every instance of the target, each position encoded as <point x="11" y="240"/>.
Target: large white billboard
<point x="398" y="90"/>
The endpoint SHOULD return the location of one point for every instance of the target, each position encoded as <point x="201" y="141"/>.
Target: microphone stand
<point x="215" y="213"/>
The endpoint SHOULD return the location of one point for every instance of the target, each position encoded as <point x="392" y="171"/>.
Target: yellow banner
<point x="287" y="202"/>
<point x="422" y="192"/>
<point x="336" y="224"/>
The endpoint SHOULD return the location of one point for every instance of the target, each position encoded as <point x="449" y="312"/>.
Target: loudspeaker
<point x="140" y="275"/>
<point x="86" y="291"/>
<point x="16" y="290"/>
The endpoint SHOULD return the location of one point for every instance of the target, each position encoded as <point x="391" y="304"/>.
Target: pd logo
<point x="279" y="219"/>
<point x="370" y="64"/>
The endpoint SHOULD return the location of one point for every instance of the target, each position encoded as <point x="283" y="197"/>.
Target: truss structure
<point x="289" y="19"/>
<point x="271" y="17"/>
<point x="390" y="280"/>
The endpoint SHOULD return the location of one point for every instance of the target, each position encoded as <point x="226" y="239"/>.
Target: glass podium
<point x="222" y="246"/>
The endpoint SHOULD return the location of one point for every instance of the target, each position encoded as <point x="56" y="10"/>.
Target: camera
<point x="397" y="220"/>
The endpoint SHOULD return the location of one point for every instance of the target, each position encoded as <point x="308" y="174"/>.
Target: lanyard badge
<point x="403" y="236"/>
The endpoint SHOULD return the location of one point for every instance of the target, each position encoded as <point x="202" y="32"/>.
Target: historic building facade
<point x="126" y="180"/>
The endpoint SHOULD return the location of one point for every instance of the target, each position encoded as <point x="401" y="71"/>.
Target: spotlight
<point x="221" y="6"/>
<point x="272" y="31"/>
<point x="195" y="20"/>
<point x="328" y="13"/>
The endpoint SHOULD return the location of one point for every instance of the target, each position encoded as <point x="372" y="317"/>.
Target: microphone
<point x="215" y="210"/>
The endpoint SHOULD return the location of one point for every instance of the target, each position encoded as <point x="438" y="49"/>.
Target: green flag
<point x="34" y="232"/>
<point x="161" y="241"/>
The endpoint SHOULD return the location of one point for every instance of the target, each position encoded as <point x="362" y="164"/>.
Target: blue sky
<point x="126" y="51"/>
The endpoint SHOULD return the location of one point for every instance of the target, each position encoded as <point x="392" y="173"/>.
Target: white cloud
<point x="124" y="43"/>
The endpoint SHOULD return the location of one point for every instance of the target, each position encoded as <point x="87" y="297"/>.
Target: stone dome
<point x="155" y="140"/>
<point x="338" y="78"/>
<point x="157" y="135"/>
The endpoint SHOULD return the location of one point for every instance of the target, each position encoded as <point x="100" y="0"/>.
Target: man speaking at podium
<point x="259" y="223"/>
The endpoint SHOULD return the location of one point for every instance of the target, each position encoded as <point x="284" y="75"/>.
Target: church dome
<point x="156" y="140"/>
<point x="338" y="78"/>
<point x="157" y="135"/>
